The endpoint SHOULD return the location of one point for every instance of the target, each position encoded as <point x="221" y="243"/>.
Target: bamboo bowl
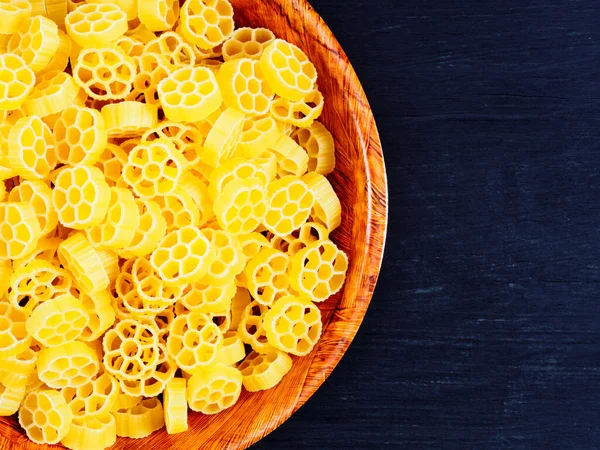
<point x="360" y="181"/>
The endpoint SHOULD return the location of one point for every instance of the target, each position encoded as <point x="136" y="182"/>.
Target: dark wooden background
<point x="484" y="332"/>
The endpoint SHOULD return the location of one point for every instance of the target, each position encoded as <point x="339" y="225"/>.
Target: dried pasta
<point x="175" y="406"/>
<point x="70" y="365"/>
<point x="96" y="25"/>
<point x="96" y="433"/>
<point x="31" y="148"/>
<point x="45" y="416"/>
<point x="16" y="370"/>
<point x="247" y="43"/>
<point x="80" y="136"/>
<point x="318" y="143"/>
<point x="14" y="338"/>
<point x="206" y="23"/>
<point x="16" y="81"/>
<point x="263" y="371"/>
<point x="212" y="390"/>
<point x="36" y="41"/>
<point x="243" y="87"/>
<point x="19" y="230"/>
<point x="39" y="195"/>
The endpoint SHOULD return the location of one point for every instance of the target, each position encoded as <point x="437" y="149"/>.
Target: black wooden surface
<point x="484" y="332"/>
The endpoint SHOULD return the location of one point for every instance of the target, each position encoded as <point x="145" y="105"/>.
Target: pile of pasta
<point x="164" y="214"/>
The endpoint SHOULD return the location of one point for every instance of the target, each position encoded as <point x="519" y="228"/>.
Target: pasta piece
<point x="94" y="399"/>
<point x="36" y="41"/>
<point x="57" y="321"/>
<point x="151" y="229"/>
<point x="105" y="73"/>
<point x="179" y="210"/>
<point x="13" y="13"/>
<point x="235" y="169"/>
<point x="130" y="46"/>
<point x="127" y="119"/>
<point x="101" y="314"/>
<point x="91" y="434"/>
<point x="243" y="87"/>
<point x="152" y="69"/>
<point x="186" y="138"/>
<point x="267" y="275"/>
<point x="213" y="390"/>
<point x="327" y="209"/>
<point x="60" y="60"/>
<point x="157" y="381"/>
<point x="125" y="401"/>
<point x="81" y="259"/>
<point x="19" y="230"/>
<point x="247" y="43"/>
<point x="233" y="350"/>
<point x="45" y="416"/>
<point x="229" y="259"/>
<point x="208" y="298"/>
<point x="317" y="141"/>
<point x="37" y="282"/>
<point x="130" y="7"/>
<point x="131" y="350"/>
<point x="39" y="195"/>
<point x="81" y="196"/>
<point x="111" y="162"/>
<point x="301" y="113"/>
<point x="5" y="275"/>
<point x="289" y="205"/>
<point x="154" y="168"/>
<point x="195" y="185"/>
<point x="118" y="228"/>
<point x="194" y="341"/>
<point x="183" y="256"/>
<point x="16" y="80"/>
<point x="189" y="94"/>
<point x="14" y="338"/>
<point x="170" y="44"/>
<point x="16" y="370"/>
<point x="53" y="92"/>
<point x="268" y="161"/>
<point x="158" y="15"/>
<point x="10" y="399"/>
<point x="251" y="244"/>
<point x="80" y="135"/>
<point x="46" y="250"/>
<point x="238" y="306"/>
<point x="206" y="23"/>
<point x="241" y="206"/>
<point x="156" y="295"/>
<point x="223" y="137"/>
<point x="288" y="70"/>
<point x="264" y="371"/>
<point x="57" y="10"/>
<point x="71" y="365"/>
<point x="319" y="270"/>
<point x="251" y="328"/>
<point x="96" y="25"/>
<point x="257" y="135"/>
<point x="291" y="158"/>
<point x="31" y="148"/>
<point x="175" y="406"/>
<point x="140" y="32"/>
<point x="141" y="420"/>
<point x="308" y="233"/>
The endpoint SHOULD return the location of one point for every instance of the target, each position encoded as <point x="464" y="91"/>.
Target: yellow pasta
<point x="186" y="138"/>
<point x="81" y="196"/>
<point x="158" y="15"/>
<point x="57" y="321"/>
<point x="111" y="162"/>
<point x="14" y="338"/>
<point x="287" y="70"/>
<point x="171" y="45"/>
<point x="53" y="92"/>
<point x="130" y="7"/>
<point x="80" y="136"/>
<point x="95" y="433"/>
<point x="208" y="298"/>
<point x="327" y="209"/>
<point x="80" y="258"/>
<point x="36" y="41"/>
<point x="291" y="158"/>
<point x="156" y="382"/>
<point x="189" y="94"/>
<point x="16" y="81"/>
<point x="10" y="399"/>
<point x="71" y="365"/>
<point x="39" y="195"/>
<point x="267" y="276"/>
<point x="257" y="135"/>
<point x="318" y="143"/>
<point x="175" y="406"/>
<point x="141" y="420"/>
<point x="130" y="46"/>
<point x="19" y="230"/>
<point x="289" y="205"/>
<point x="122" y="219"/>
<point x="100" y="312"/>
<point x="308" y="233"/>
<point x="13" y="13"/>
<point x="140" y="32"/>
<point x="251" y="329"/>
<point x="60" y="60"/>
<point x="152" y="228"/>
<point x="155" y="293"/>
<point x="152" y="69"/>
<point x="127" y="119"/>
<point x="223" y="137"/>
<point x="229" y="259"/>
<point x="241" y="206"/>
<point x="301" y="113"/>
<point x="31" y="148"/>
<point x="233" y="350"/>
<point x="319" y="270"/>
<point x="96" y="25"/>
<point x="235" y="169"/>
<point x="16" y="370"/>
<point x="46" y="249"/>
<point x="247" y="43"/>
<point x="94" y="399"/>
<point x="179" y="210"/>
<point x="215" y="389"/>
<point x="45" y="416"/>
<point x="125" y="401"/>
<point x="264" y="371"/>
<point x="206" y="23"/>
<point x="243" y="87"/>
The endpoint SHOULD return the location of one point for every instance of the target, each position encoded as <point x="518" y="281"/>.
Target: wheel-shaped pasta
<point x="264" y="371"/>
<point x="241" y="206"/>
<point x="118" y="228"/>
<point x="233" y="350"/>
<point x="171" y="45"/>
<point x="208" y="298"/>
<point x="19" y="230"/>
<point x="247" y="43"/>
<point x="60" y="60"/>
<point x="223" y="137"/>
<point x="46" y="249"/>
<point x="39" y="195"/>
<point x="235" y="169"/>
<point x="13" y="13"/>
<point x="194" y="341"/>
<point x="10" y="399"/>
<point x="53" y="92"/>
<point x="156" y="295"/>
<point x="206" y="23"/>
<point x="152" y="69"/>
<point x="101" y="314"/>
<point x="45" y="416"/>
<point x="289" y="204"/>
<point x="327" y="209"/>
<point x="141" y="420"/>
<point x="301" y="113"/>
<point x="130" y="46"/>
<point x="16" y="81"/>
<point x="186" y="138"/>
<point x="257" y="134"/>
<point x="96" y="25"/>
<point x="31" y="148"/>
<point x="158" y="15"/>
<point x="175" y="406"/>
<point x="111" y="162"/>
<point x="158" y="380"/>
<point x="16" y="370"/>
<point x="251" y="328"/>
<point x="36" y="41"/>
<point x="70" y="365"/>
<point x="239" y="302"/>
<point x="80" y="135"/>
<point x="319" y="270"/>
<point x="93" y="399"/>
<point x="95" y="433"/>
<point x="80" y="258"/>
<point x="151" y="229"/>
<point x="128" y="119"/>
<point x="291" y="158"/>
<point x="179" y="210"/>
<point x="125" y="401"/>
<point x="243" y="87"/>
<point x="229" y="260"/>
<point x="14" y="338"/>
<point x="267" y="275"/>
<point x="318" y="143"/>
<point x="214" y="389"/>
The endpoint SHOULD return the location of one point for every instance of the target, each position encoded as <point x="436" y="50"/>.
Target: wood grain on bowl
<point x="360" y="182"/>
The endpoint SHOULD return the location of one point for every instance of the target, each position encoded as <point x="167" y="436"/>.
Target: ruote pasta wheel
<point x="215" y="389"/>
<point x="288" y="70"/>
<point x="95" y="433"/>
<point x="208" y="298"/>
<point x="189" y="94"/>
<point x="31" y="148"/>
<point x="291" y="158"/>
<point x="56" y="10"/>
<point x="46" y="250"/>
<point x="327" y="209"/>
<point x="171" y="45"/>
<point x="70" y="365"/>
<point x="81" y="196"/>
<point x="118" y="228"/>
<point x="60" y="60"/>
<point x="235" y="169"/>
<point x="240" y="300"/>
<point x="243" y="87"/>
<point x="233" y="350"/>
<point x="318" y="143"/>
<point x="10" y="399"/>
<point x="45" y="416"/>
<point x="186" y="138"/>
<point x="308" y="233"/>
<point x="100" y="312"/>
<point x="289" y="204"/>
<point x="267" y="275"/>
<point x="206" y="23"/>
<point x="36" y="282"/>
<point x="19" y="230"/>
<point x="223" y="137"/>
<point x="125" y="401"/>
<point x="241" y="206"/>
<point x="264" y="371"/>
<point x="293" y="325"/>
<point x="14" y="338"/>
<point x="194" y="341"/>
<point x="156" y="295"/>
<point x="179" y="210"/>
<point x="13" y="13"/>
<point x="57" y="321"/>
<point x="16" y="370"/>
<point x="152" y="69"/>
<point x="154" y="168"/>
<point x="130" y="7"/>
<point x="39" y="195"/>
<point x="251" y="244"/>
<point x="111" y="162"/>
<point x="36" y="41"/>
<point x="16" y="81"/>
<point x="175" y="406"/>
<point x="247" y="43"/>
<point x="96" y="25"/>
<point x="251" y="329"/>
<point x="127" y="119"/>
<point x="158" y="380"/>
<point x="158" y="15"/>
<point x="319" y="270"/>
<point x="130" y="46"/>
<point x="81" y="259"/>
<point x="141" y="420"/>
<point x="229" y="259"/>
<point x="151" y="229"/>
<point x="106" y="73"/>
<point x="301" y="113"/>
<point x="257" y="135"/>
<point x="53" y="92"/>
<point x="80" y="135"/>
<point x="93" y="399"/>
<point x="183" y="256"/>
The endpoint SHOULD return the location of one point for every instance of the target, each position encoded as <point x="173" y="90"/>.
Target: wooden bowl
<point x="360" y="181"/>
